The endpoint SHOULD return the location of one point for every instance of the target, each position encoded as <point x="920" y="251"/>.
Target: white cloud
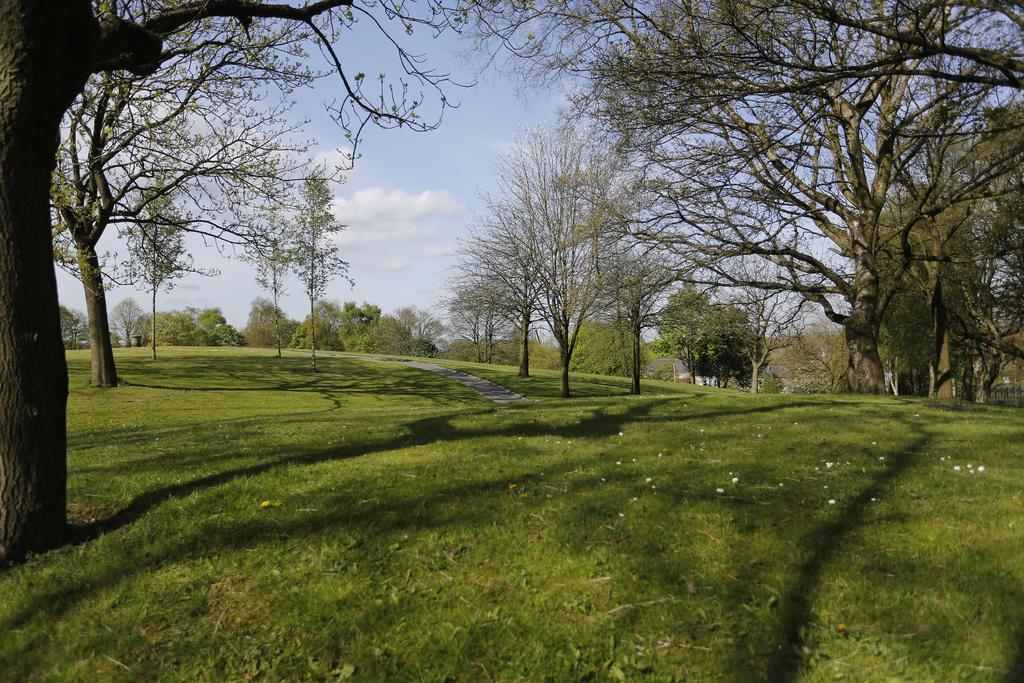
<point x="377" y="205"/>
<point x="388" y="266"/>
<point x="377" y="217"/>
<point x="438" y="250"/>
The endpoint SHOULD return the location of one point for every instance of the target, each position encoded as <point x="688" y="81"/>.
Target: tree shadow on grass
<point x="430" y="430"/>
<point x="788" y="659"/>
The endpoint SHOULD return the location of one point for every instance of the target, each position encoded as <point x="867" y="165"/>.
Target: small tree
<point x="477" y="314"/>
<point x="74" y="328"/>
<point x="129" y="320"/>
<point x="635" y="283"/>
<point x="267" y="324"/>
<point x="357" y="325"/>
<point x="273" y="260"/>
<point x="314" y="254"/>
<point x="770" y="320"/>
<point x="157" y="252"/>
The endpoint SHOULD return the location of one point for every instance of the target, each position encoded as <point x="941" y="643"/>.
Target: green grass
<point x="418" y="532"/>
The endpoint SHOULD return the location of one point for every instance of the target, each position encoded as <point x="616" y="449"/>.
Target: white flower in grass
<point x="956" y="468"/>
<point x="618" y="462"/>
<point x="970" y="466"/>
<point x="648" y="480"/>
<point x="829" y="465"/>
<point x="874" y="443"/>
<point x="719" y="490"/>
<point x="881" y="458"/>
<point x="981" y="468"/>
<point x="780" y="484"/>
<point x="620" y="434"/>
<point x="622" y="514"/>
<point x="735" y="480"/>
<point x="831" y="501"/>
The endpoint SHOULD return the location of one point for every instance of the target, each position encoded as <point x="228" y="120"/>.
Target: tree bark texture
<point x="943" y="386"/>
<point x="524" y="347"/>
<point x="564" y="357"/>
<point x="865" y="373"/>
<point x="45" y="58"/>
<point x="101" y="350"/>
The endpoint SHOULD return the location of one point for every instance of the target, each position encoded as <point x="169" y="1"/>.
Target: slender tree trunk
<point x="152" y="334"/>
<point x="635" y="366"/>
<point x="45" y="57"/>
<point x="563" y="351"/>
<point x="943" y="381"/>
<point x="865" y="373"/>
<point x="524" y="347"/>
<point x="101" y="351"/>
<point x="277" y="324"/>
<point x="755" y="370"/>
<point x="968" y="379"/>
<point x="312" y="331"/>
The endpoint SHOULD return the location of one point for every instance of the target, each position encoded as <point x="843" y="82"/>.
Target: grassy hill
<point x="250" y="521"/>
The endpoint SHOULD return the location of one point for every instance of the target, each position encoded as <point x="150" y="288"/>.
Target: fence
<point x="1008" y="394"/>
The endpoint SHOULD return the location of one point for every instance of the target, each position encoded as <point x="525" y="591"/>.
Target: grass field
<point x="250" y="521"/>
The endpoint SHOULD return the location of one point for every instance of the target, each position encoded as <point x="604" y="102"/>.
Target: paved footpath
<point x="490" y="390"/>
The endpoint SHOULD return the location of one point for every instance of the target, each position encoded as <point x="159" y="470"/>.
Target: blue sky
<point x="409" y="199"/>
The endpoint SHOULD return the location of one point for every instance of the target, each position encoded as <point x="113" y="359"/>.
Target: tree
<point x="158" y="255"/>
<point x="503" y="252"/>
<point x="128" y="320"/>
<point x="315" y="256"/>
<point x="47" y="52"/>
<point x="476" y="314"/>
<point x="267" y="325"/>
<point x="604" y="348"/>
<point x="752" y="153"/>
<point x="769" y="323"/>
<point x="705" y="335"/>
<point x="636" y="282"/>
<point x="563" y="182"/>
<point x="206" y="123"/>
<point x="357" y="325"/>
<point x="409" y="331"/>
<point x="990" y="313"/>
<point x="816" y="361"/>
<point x="180" y="328"/>
<point x="73" y="328"/>
<point x="272" y="260"/>
<point x="327" y="328"/>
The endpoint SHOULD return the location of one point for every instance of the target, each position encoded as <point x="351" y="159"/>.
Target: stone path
<point x="490" y="390"/>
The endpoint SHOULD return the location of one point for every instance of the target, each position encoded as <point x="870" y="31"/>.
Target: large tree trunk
<point x="524" y="347"/>
<point x="45" y="57"/>
<point x="865" y="373"/>
<point x="942" y="387"/>
<point x="564" y="358"/>
<point x="101" y="352"/>
<point x="991" y="366"/>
